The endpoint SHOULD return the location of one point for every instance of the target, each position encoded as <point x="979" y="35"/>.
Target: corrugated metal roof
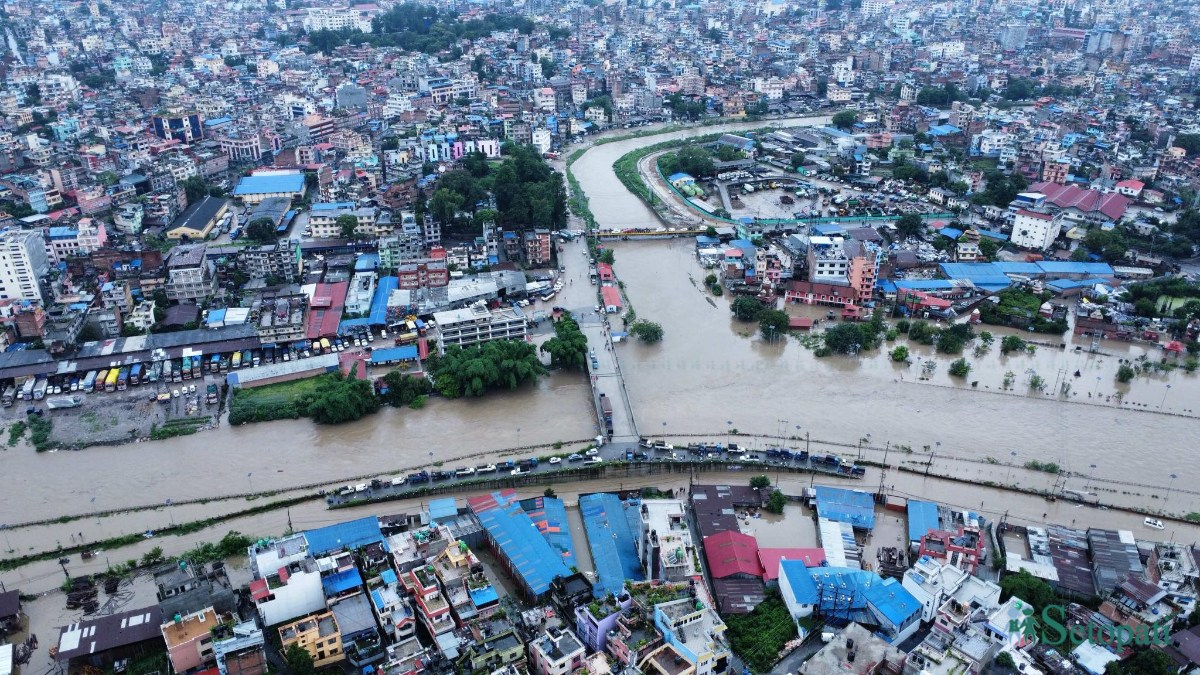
<point x="611" y="540"/>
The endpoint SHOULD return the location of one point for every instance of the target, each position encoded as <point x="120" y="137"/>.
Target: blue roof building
<point x="840" y="595"/>
<point x="612" y="542"/>
<point x="854" y="507"/>
<point x="519" y="543"/>
<point x="922" y="517"/>
<point x="254" y="189"/>
<point x="345" y="536"/>
<point x="346" y="580"/>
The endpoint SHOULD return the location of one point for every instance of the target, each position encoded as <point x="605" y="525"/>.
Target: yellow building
<point x="199" y="219"/>
<point x="318" y="635"/>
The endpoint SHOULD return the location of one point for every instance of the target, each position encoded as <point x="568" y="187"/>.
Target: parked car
<point x="575" y="457"/>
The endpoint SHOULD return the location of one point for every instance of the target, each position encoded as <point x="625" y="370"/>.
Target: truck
<point x="60" y="402"/>
<point x="10" y="396"/>
<point x="237" y="360"/>
<point x="27" y="389"/>
<point x="176" y="370"/>
<point x="527" y="464"/>
<point x="212" y="393"/>
<point x="185" y="371"/>
<point x="135" y="375"/>
<point x="196" y="367"/>
<point x="123" y="378"/>
<point x="606" y="413"/>
<point x="110" y="380"/>
<point x="89" y="383"/>
<point x="214" y="364"/>
<point x="39" y="389"/>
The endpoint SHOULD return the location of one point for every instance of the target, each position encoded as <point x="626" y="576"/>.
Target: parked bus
<point x="237" y="360"/>
<point x="10" y="396"/>
<point x="135" y="375"/>
<point x="39" y="389"/>
<point x="110" y="382"/>
<point x="186" y="369"/>
<point x="101" y="378"/>
<point x="27" y="389"/>
<point x="89" y="383"/>
<point x="123" y="378"/>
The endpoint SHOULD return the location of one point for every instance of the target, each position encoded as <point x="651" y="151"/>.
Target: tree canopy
<point x="844" y="119"/>
<point x="528" y="192"/>
<point x="773" y="323"/>
<point x="646" y="331"/>
<point x="568" y="349"/>
<point x="474" y="371"/>
<point x="421" y="28"/>
<point x="403" y="389"/>
<point x="910" y="225"/>
<point x="746" y="308"/>
<point x="262" y="230"/>
<point x="1028" y="588"/>
<point x="339" y="399"/>
<point x="692" y="159"/>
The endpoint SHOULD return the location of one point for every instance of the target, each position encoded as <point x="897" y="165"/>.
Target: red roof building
<point x="1109" y="205"/>
<point x="732" y="554"/>
<point x="612" y="299"/>
<point x="769" y="559"/>
<point x="325" y="309"/>
<point x="604" y="271"/>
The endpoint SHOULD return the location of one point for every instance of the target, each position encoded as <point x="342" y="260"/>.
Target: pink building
<point x="189" y="639"/>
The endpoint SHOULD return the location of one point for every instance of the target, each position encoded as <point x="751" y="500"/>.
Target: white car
<point x="465" y="471"/>
<point x="175" y="393"/>
<point x="192" y="389"/>
<point x="555" y="460"/>
<point x="592" y="452"/>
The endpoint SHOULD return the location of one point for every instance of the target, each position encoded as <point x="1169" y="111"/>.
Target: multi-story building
<point x="665" y="542"/>
<point x="117" y="294"/>
<point x="190" y="640"/>
<point x="399" y="248"/>
<point x="337" y="18"/>
<point x="318" y="635"/>
<point x="281" y="260"/>
<point x="477" y="324"/>
<point x="827" y="260"/>
<point x="185" y="127"/>
<point x="433" y="610"/>
<point x="23" y="263"/>
<point x="696" y="632"/>
<point x="1035" y="230"/>
<point x="371" y="222"/>
<point x="287" y="582"/>
<point x="65" y="242"/>
<point x="594" y="621"/>
<point x="538" y="247"/>
<point x="556" y="652"/>
<point x="424" y="273"/>
<point x="282" y="318"/>
<point x="190" y="276"/>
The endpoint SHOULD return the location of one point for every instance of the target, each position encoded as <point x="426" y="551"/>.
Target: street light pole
<point x="1091" y="473"/>
<point x="1010" y="466"/>
<point x="1169" y="486"/>
<point x="1164" y="398"/>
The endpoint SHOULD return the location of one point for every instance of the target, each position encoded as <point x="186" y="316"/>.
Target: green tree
<point x="475" y="370"/>
<point x="760" y="482"/>
<point x="152" y="556"/>
<point x="403" y="389"/>
<point x="548" y="68"/>
<point x="1145" y="661"/>
<point x="107" y="178"/>
<point x="646" y="331"/>
<point x="195" y="188"/>
<point x="773" y="323"/>
<point x="900" y="353"/>
<point x="1125" y="373"/>
<point x="711" y="232"/>
<point x="746" y="308"/>
<point x="299" y="661"/>
<point x="1011" y="343"/>
<point x="1028" y="588"/>
<point x="960" y="368"/>
<point x="262" y="230"/>
<point x="347" y="224"/>
<point x="796" y="160"/>
<point x="844" y="119"/>
<point x="1005" y="660"/>
<point x="445" y="204"/>
<point x="910" y="225"/>
<point x="338" y="399"/>
<point x="776" y="502"/>
<point x="568" y="349"/>
<point x="607" y="257"/>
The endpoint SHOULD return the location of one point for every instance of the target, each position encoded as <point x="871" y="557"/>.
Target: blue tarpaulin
<point x="341" y="582"/>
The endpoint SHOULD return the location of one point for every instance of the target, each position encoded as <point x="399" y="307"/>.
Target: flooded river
<point x="709" y="375"/>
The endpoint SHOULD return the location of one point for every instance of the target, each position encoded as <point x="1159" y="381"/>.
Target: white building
<point x="22" y="263"/>
<point x="541" y="140"/>
<point x="477" y="324"/>
<point x="336" y="18"/>
<point x="1035" y="230"/>
<point x="931" y="582"/>
<point x="287" y="582"/>
<point x="556" y="652"/>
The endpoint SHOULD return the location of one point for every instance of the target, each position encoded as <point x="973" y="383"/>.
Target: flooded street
<point x="712" y="373"/>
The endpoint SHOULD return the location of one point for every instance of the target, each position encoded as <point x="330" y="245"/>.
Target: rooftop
<point x="250" y="185"/>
